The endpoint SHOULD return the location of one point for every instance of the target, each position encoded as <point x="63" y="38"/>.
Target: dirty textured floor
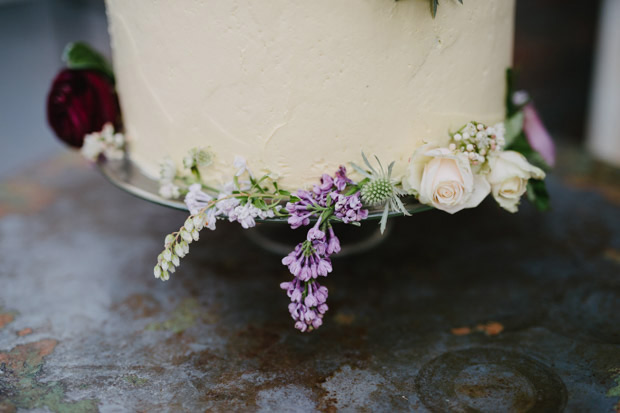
<point x="482" y="311"/>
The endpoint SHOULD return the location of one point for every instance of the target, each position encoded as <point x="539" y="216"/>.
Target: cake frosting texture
<point x="299" y="87"/>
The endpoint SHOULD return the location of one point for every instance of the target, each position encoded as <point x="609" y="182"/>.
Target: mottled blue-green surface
<point x="481" y="311"/>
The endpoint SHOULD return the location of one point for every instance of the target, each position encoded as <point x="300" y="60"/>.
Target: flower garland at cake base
<point x="479" y="160"/>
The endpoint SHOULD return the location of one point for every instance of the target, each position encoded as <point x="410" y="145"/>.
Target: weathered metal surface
<point x="482" y="311"/>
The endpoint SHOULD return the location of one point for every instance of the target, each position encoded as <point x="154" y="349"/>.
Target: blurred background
<point x="561" y="58"/>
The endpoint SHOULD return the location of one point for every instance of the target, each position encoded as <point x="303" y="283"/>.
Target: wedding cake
<point x="298" y="87"/>
<point x="316" y="113"/>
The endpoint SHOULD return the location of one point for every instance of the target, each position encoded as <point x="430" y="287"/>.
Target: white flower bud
<point x="189" y="224"/>
<point x="195" y="235"/>
<point x="466" y="136"/>
<point x="165" y="276"/>
<point x="458" y="137"/>
<point x="480" y="126"/>
<point x="175" y="261"/>
<point x="157" y="271"/>
<point x="165" y="265"/>
<point x="185" y="247"/>
<point x="199" y="221"/>
<point x="167" y="255"/>
<point x="169" y="239"/>
<point x="171" y="269"/>
<point x="470" y="147"/>
<point x="452" y="147"/>
<point x="186" y="235"/>
<point x="178" y="249"/>
<point x="188" y="162"/>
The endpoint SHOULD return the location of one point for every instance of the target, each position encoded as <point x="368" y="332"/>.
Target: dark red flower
<point x="81" y="102"/>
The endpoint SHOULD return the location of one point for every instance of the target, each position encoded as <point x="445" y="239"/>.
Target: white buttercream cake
<point x="299" y="87"/>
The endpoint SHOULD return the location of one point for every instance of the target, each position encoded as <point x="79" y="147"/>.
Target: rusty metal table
<point x="481" y="311"/>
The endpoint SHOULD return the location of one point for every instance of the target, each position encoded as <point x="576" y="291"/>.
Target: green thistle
<point x="380" y="189"/>
<point x="377" y="192"/>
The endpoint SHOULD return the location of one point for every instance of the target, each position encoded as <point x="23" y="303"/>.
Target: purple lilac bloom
<point x="311" y="258"/>
<point x="333" y="246"/>
<point x="349" y="208"/>
<point x="341" y="180"/>
<point x="307" y="312"/>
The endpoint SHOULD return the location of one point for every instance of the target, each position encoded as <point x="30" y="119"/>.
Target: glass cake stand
<point x="278" y="239"/>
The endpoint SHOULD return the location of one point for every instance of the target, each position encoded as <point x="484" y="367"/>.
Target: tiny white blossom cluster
<point x="477" y="141"/>
<point x="176" y="246"/>
<point x="473" y="166"/>
<point x="167" y="175"/>
<point x="107" y="142"/>
<point x="234" y="201"/>
<point x="172" y="182"/>
<point x="226" y="206"/>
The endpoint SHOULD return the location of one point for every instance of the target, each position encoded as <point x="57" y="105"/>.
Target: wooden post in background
<point x="603" y="138"/>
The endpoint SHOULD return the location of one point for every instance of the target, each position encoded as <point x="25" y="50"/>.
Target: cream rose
<point x="509" y="174"/>
<point x="445" y="180"/>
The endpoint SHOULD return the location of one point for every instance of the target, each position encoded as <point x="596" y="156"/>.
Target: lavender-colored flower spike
<point x="307" y="313"/>
<point x="311" y="258"/>
<point x="333" y="246"/>
<point x="349" y="208"/>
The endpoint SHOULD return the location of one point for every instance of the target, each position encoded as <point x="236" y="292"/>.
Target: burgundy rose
<point x="81" y="102"/>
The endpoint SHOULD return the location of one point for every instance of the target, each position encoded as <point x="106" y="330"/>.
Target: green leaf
<point x="434" y="4"/>
<point x="81" y="56"/>
<point x="538" y="195"/>
<point x="514" y="127"/>
<point x="384" y="219"/>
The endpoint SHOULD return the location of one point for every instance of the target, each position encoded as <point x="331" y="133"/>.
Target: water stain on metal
<point x="24" y="332"/>
<point x="139" y="306"/>
<point x="492" y="328"/>
<point x="20" y="387"/>
<point x="6" y="318"/>
<point x="490" y="379"/>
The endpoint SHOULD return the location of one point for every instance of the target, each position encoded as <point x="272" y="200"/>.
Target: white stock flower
<point x="226" y="205"/>
<point x="113" y="153"/>
<point x="196" y="199"/>
<point x="509" y="174"/>
<point x="167" y="170"/>
<point x="242" y="166"/>
<point x="107" y="133"/>
<point x="445" y="180"/>
<point x="92" y="147"/>
<point x="168" y="190"/>
<point x="105" y="142"/>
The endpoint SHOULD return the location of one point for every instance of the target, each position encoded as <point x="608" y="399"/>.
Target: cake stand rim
<point x="126" y="175"/>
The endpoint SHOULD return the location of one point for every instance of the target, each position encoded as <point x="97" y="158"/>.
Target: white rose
<point x="509" y="174"/>
<point x="445" y="180"/>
